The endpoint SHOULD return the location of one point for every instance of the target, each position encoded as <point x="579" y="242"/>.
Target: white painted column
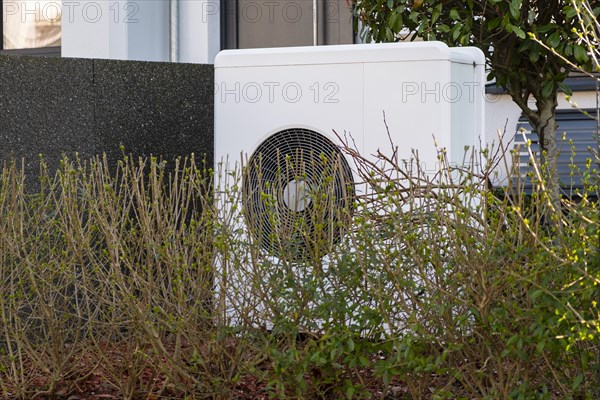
<point x="200" y="31"/>
<point x="116" y="29"/>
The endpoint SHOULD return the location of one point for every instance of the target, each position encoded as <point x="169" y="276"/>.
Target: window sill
<point x="41" y="52"/>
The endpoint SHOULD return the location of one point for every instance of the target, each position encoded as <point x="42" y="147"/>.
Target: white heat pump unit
<point x="281" y="104"/>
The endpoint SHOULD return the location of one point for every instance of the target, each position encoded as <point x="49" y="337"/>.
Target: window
<point x="249" y="24"/>
<point x="28" y="26"/>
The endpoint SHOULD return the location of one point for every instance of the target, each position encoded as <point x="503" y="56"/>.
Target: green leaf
<point x="390" y="4"/>
<point x="492" y="24"/>
<point x="454" y="14"/>
<point x="536" y="293"/>
<point x="395" y="22"/>
<point x="389" y="35"/>
<point x="580" y="54"/>
<point x="568" y="50"/>
<point x="565" y="88"/>
<point x="577" y="381"/>
<point x="363" y="361"/>
<point x="350" y="392"/>
<point x="515" y="8"/>
<point x="554" y="39"/>
<point x="545" y="28"/>
<point x="525" y="46"/>
<point x="456" y="31"/>
<point x="443" y="28"/>
<point x="351" y="344"/>
<point x="540" y="346"/>
<point x="519" y="32"/>
<point x="422" y="26"/>
<point x="534" y="54"/>
<point x="413" y="16"/>
<point x="436" y="13"/>
<point x="569" y="11"/>
<point x="333" y="354"/>
<point x="547" y="88"/>
<point x="399" y="23"/>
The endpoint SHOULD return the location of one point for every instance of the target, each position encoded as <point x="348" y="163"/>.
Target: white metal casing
<point x="426" y="89"/>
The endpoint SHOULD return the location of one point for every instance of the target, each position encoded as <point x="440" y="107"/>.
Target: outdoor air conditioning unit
<point x="278" y="107"/>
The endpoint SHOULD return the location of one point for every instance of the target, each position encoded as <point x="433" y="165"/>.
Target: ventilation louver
<point x="297" y="194"/>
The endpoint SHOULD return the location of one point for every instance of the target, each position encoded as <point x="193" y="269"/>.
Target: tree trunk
<point x="546" y="128"/>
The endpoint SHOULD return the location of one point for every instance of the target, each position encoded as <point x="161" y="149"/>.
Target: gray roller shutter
<point x="575" y="147"/>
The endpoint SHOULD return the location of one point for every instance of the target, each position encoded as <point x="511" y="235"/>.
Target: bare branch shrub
<point x="224" y="284"/>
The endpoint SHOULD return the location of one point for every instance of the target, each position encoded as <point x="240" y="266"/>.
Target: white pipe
<point x="174" y="30"/>
<point x="315" y="32"/>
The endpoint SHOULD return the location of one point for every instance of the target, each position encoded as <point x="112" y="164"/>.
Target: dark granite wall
<point x="55" y="106"/>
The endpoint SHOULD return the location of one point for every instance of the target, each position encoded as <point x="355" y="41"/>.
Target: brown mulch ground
<point x="105" y="374"/>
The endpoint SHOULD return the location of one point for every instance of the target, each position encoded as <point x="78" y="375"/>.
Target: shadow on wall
<point x="56" y="106"/>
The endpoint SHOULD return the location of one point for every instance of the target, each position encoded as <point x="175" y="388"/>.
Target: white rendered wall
<point x="139" y="30"/>
<point x="501" y="111"/>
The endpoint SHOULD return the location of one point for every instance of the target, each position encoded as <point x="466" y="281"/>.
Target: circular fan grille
<point x="297" y="194"/>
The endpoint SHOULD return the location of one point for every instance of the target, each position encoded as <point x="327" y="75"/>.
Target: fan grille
<point x="297" y="194"/>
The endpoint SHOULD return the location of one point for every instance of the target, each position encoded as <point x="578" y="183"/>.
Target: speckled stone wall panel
<point x="162" y="109"/>
<point x="46" y="107"/>
<point x="55" y="106"/>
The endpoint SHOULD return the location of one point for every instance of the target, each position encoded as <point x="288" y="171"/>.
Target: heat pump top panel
<point x="352" y="53"/>
<point x="429" y="93"/>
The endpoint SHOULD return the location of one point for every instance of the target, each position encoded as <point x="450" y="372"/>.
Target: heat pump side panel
<point x="466" y="94"/>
